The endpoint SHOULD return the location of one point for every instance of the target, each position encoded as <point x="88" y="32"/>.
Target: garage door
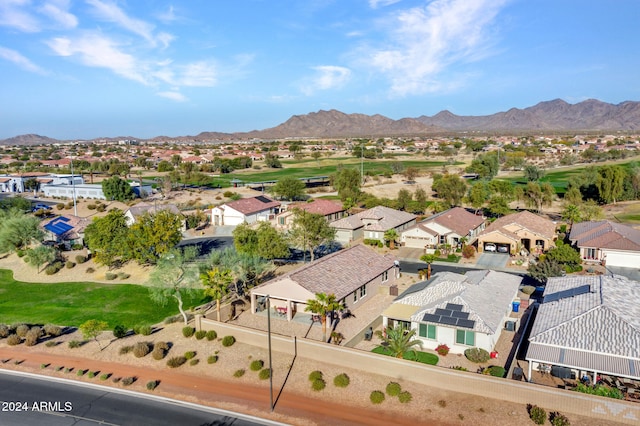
<point x="415" y="242"/>
<point x="628" y="260"/>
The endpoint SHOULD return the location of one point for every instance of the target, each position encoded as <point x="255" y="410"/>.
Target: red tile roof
<point x="253" y="205"/>
<point x="320" y="206"/>
<point x="525" y="219"/>
<point x="457" y="219"/>
<point x="605" y="234"/>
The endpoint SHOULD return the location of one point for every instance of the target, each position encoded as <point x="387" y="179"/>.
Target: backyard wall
<point x="436" y="377"/>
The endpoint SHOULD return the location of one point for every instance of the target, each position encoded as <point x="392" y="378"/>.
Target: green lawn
<point x="71" y="304"/>
<point x="423" y="357"/>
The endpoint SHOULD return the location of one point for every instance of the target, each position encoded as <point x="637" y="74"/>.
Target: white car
<point x="490" y="247"/>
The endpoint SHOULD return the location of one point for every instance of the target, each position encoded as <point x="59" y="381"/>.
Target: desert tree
<point x="17" y="230"/>
<point x="92" y="328"/>
<point x="175" y="277"/>
<point x="310" y="231"/>
<point x="40" y="255"/>
<point x="216" y="283"/>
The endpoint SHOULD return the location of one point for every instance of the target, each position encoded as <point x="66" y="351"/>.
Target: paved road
<point x="206" y="245"/>
<point x="71" y="404"/>
<point x="492" y="260"/>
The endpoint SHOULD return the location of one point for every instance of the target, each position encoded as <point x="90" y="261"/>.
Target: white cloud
<point x="374" y="4"/>
<point x="426" y="40"/>
<point x="12" y="14"/>
<point x="18" y="59"/>
<point x="326" y="77"/>
<point x="173" y="95"/>
<point x="95" y="50"/>
<point x="110" y="12"/>
<point x="168" y="16"/>
<point x="58" y="10"/>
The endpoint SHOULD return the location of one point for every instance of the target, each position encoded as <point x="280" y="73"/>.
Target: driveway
<point x="631" y="273"/>
<point x="492" y="260"/>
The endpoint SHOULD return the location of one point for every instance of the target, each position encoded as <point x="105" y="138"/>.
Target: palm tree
<point x="322" y="305"/>
<point x="391" y="235"/>
<point x="400" y="340"/>
<point x="428" y="259"/>
<point x="572" y="214"/>
<point x="216" y="282"/>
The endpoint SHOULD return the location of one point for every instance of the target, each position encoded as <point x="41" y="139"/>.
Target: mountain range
<point x="548" y="116"/>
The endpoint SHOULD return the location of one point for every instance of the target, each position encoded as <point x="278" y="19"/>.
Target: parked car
<point x="40" y="206"/>
<point x="490" y="247"/>
<point x="503" y="249"/>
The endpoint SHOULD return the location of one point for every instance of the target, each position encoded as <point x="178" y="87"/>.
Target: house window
<point x="443" y="239"/>
<point x="393" y="323"/>
<point x="385" y="276"/>
<point x="363" y="291"/>
<point x="355" y="296"/>
<point x="428" y="331"/>
<point x="281" y="220"/>
<point x="465" y="337"/>
<point x="590" y="253"/>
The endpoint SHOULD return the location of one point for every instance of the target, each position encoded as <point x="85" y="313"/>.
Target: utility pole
<point x="73" y="183"/>
<point x="362" y="163"/>
<point x="270" y="363"/>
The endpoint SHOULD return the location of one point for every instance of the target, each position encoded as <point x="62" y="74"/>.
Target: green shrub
<point x="393" y="389"/>
<point x="459" y="368"/>
<point x="528" y="289"/>
<point x="123" y="275"/>
<point x="125" y="349"/>
<point x="52" y="330"/>
<point x="558" y="419"/>
<point x="239" y="373"/>
<point x="116" y="379"/>
<point x="22" y="330"/>
<point x="176" y="361"/>
<point x="212" y="359"/>
<point x="70" y="264"/>
<point x="341" y="380"/>
<point x="14" y="340"/>
<point x="318" y="385"/>
<point x="190" y="354"/>
<point x="376" y="397"/>
<point x="405" y="397"/>
<point x="477" y="355"/>
<point x="128" y="381"/>
<point x="104" y="376"/>
<point x="152" y="385"/>
<point x="188" y="331"/>
<point x="144" y="330"/>
<point x="537" y="414"/>
<point x="264" y="374"/>
<point x="60" y="206"/>
<point x="4" y="331"/>
<point x="228" y="341"/>
<point x="90" y="270"/>
<point x="373" y="242"/>
<point x="600" y="390"/>
<point x="21" y="253"/>
<point x="256" y="365"/>
<point x="119" y="331"/>
<point x="496" y="371"/>
<point x="442" y="350"/>
<point x="80" y="372"/>
<point x="162" y="345"/>
<point x="59" y="368"/>
<point x="91" y="206"/>
<point x="80" y="259"/>
<point x="158" y="353"/>
<point x="200" y="334"/>
<point x="141" y="349"/>
<point x="51" y="344"/>
<point x="68" y="369"/>
<point x="110" y="276"/>
<point x="74" y="344"/>
<point x="194" y="361"/>
<point x="315" y="375"/>
<point x="33" y="336"/>
<point x="91" y="374"/>
<point x="211" y="335"/>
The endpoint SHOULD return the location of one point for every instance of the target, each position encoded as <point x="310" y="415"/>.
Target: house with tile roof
<point x="135" y="212"/>
<point x="354" y="275"/>
<point x="461" y="311"/>
<point x="66" y="230"/>
<point x="610" y="243"/>
<point x="245" y="210"/>
<point x="519" y="230"/>
<point x="331" y="210"/>
<point x="372" y="224"/>
<point x="447" y="227"/>
<point x="590" y="324"/>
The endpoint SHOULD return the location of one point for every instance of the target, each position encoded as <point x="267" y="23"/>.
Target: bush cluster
<point x="53" y="268"/>
<point x="558" y="419"/>
<point x="188" y="331"/>
<point x="52" y="330"/>
<point x="104" y="376"/>
<point x="176" y="361"/>
<point x="110" y="276"/>
<point x="4" y="331"/>
<point x="80" y="259"/>
<point x="211" y="335"/>
<point x="228" y="341"/>
<point x="152" y="385"/>
<point x="119" y="331"/>
<point x="32" y="336"/>
<point x="194" y="361"/>
<point x="70" y="264"/>
<point x="496" y="371"/>
<point x="373" y="242"/>
<point x="376" y="397"/>
<point x="125" y="349"/>
<point x="141" y="349"/>
<point x="264" y="374"/>
<point x="160" y="350"/>
<point x="190" y="354"/>
<point x="318" y="385"/>
<point x="123" y="275"/>
<point x="90" y="270"/>
<point x="239" y="373"/>
<point x="128" y="381"/>
<point x="144" y="330"/>
<point x="477" y="355"/>
<point x="315" y="375"/>
<point x="13" y="340"/>
<point x="74" y="344"/>
<point x="22" y="330"/>
<point x="212" y="359"/>
<point x="442" y="350"/>
<point x="341" y="380"/>
<point x="200" y="334"/>
<point x="405" y="397"/>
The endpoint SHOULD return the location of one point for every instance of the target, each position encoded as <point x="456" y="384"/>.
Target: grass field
<point x="423" y="357"/>
<point x="71" y="304"/>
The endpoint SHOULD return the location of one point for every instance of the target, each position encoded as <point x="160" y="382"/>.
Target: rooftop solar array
<point x="563" y="294"/>
<point x="451" y="315"/>
<point x="263" y="199"/>
<point x="58" y="226"/>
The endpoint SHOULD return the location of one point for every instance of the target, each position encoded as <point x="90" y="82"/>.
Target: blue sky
<point x="81" y="69"/>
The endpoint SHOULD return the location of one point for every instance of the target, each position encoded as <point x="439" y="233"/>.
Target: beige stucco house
<point x="520" y="230"/>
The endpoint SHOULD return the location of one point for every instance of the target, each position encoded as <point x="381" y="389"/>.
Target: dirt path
<point x="253" y="400"/>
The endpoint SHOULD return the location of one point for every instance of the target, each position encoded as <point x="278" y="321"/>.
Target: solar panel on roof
<point x="563" y="294"/>
<point x="431" y="318"/>
<point x="460" y="314"/>
<point x="443" y="312"/>
<point x="58" y="228"/>
<point x="263" y="199"/>
<point x="449" y="320"/>
<point x="454" y="307"/>
<point x="466" y="323"/>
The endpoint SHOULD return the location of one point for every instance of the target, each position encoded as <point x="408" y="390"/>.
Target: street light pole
<point x="362" y="163"/>
<point x="73" y="183"/>
<point x="270" y="363"/>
